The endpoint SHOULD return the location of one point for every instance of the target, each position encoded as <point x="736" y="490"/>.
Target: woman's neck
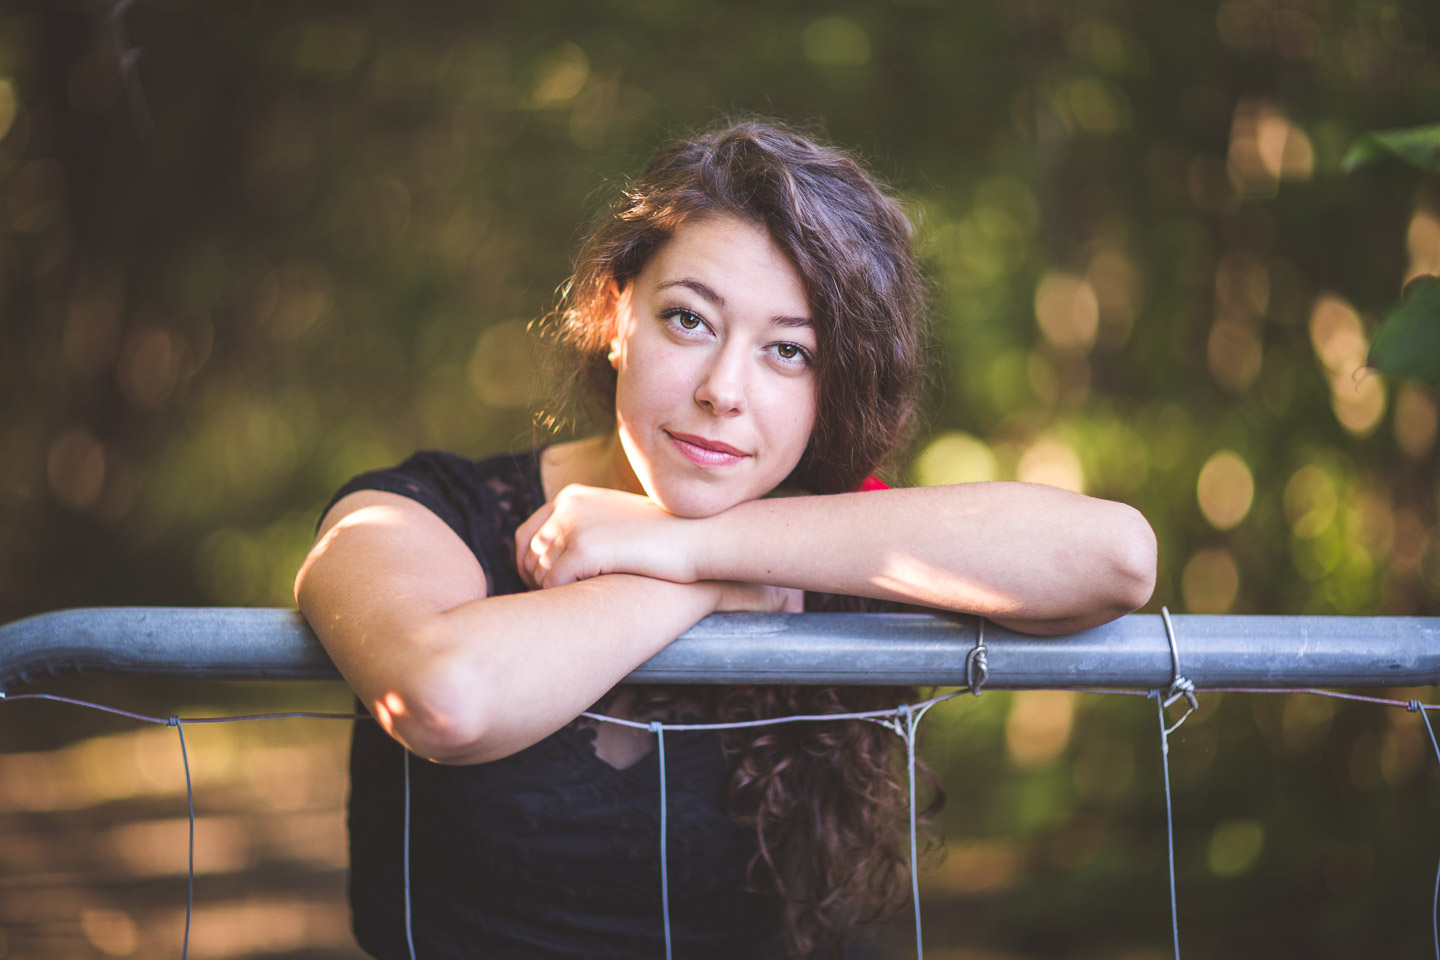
<point x="597" y="461"/>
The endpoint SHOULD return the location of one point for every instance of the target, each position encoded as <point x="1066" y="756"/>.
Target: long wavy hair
<point x="827" y="802"/>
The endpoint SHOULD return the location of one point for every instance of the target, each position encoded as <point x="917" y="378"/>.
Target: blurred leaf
<point x="1417" y="146"/>
<point x="1407" y="344"/>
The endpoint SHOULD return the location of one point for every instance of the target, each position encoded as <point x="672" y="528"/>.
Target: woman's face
<point x="713" y="347"/>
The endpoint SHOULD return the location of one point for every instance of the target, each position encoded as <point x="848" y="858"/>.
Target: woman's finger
<point x="546" y="551"/>
<point x="524" y="537"/>
<point x="560" y="568"/>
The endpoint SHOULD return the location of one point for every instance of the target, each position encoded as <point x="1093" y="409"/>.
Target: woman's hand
<point x="586" y="531"/>
<point x="736" y="595"/>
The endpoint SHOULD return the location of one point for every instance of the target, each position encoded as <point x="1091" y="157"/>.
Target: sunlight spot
<point x="1360" y="407"/>
<point x="1235" y="845"/>
<point x="76" y="468"/>
<point x="1337" y="336"/>
<point x="149" y="367"/>
<point x="1284" y="149"/>
<point x="112" y="932"/>
<point x="931" y="584"/>
<point x="1225" y="490"/>
<point x="1357" y="396"/>
<point x="157" y="848"/>
<point x="836" y="42"/>
<point x="1052" y="462"/>
<point x="1116" y="283"/>
<point x="250" y="927"/>
<point x="1038" y="726"/>
<point x="977" y="866"/>
<point x="1234" y="353"/>
<point x="1067" y="310"/>
<point x="1210" y="582"/>
<point x="1415" y="420"/>
<point x="1310" y="501"/>
<point x="1266" y="148"/>
<point x="1098" y="106"/>
<point x="955" y="457"/>
<point x="562" y="75"/>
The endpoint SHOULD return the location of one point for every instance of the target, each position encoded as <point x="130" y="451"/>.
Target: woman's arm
<point x="1030" y="557"/>
<point x="399" y="602"/>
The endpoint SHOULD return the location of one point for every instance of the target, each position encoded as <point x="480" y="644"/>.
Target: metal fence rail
<point x="811" y="648"/>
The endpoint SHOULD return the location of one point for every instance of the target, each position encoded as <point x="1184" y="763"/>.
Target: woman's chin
<point x="695" y="507"/>
<point x="696" y="501"/>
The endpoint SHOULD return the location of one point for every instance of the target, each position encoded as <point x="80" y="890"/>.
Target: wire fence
<point x="1329" y="642"/>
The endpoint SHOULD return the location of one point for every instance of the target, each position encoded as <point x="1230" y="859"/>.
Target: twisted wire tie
<point x="977" y="662"/>
<point x="1180" y="685"/>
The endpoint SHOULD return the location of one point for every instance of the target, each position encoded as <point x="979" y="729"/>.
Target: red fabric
<point x="874" y="483"/>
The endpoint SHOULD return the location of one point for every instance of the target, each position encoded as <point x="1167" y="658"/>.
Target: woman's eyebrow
<point x="702" y="289"/>
<point x="707" y="292"/>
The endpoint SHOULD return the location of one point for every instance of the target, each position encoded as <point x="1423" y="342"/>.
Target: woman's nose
<point x="721" y="389"/>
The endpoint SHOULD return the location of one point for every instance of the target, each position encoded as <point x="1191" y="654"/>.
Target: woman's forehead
<point x="726" y="261"/>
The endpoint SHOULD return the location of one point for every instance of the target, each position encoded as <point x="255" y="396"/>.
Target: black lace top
<point x="550" y="852"/>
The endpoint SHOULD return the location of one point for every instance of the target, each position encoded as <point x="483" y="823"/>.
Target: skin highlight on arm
<point x="399" y="602"/>
<point x="1031" y="557"/>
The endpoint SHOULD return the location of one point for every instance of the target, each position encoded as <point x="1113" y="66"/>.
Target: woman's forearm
<point x="399" y="602"/>
<point x="1029" y="556"/>
<point x="493" y="676"/>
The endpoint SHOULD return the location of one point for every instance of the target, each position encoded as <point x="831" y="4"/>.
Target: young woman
<point x="748" y="314"/>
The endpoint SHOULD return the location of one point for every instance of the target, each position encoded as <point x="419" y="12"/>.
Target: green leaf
<point x="1417" y="146"/>
<point x="1407" y="343"/>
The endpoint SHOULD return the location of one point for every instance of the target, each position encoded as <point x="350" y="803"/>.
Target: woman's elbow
<point x="439" y="713"/>
<point x="1133" y="560"/>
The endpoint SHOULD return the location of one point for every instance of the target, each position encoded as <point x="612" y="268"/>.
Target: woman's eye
<point x="684" y="319"/>
<point x="792" y="353"/>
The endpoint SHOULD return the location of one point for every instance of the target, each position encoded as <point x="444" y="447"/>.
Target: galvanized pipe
<point x="816" y="648"/>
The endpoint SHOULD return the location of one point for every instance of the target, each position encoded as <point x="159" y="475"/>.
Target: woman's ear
<point x="616" y="299"/>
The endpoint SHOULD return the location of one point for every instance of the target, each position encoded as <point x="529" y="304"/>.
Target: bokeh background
<point x="248" y="250"/>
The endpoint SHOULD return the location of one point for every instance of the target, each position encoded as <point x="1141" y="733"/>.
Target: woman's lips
<point x="705" y="453"/>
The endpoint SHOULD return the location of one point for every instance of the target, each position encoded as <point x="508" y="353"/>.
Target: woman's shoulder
<point x="441" y="477"/>
<point x="482" y="500"/>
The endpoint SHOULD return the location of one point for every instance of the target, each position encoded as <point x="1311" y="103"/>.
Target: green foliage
<point x="1407" y="343"/>
<point x="1417" y="146"/>
<point x="326" y="254"/>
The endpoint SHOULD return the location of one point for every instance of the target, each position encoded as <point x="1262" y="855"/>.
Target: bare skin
<point x="650" y="528"/>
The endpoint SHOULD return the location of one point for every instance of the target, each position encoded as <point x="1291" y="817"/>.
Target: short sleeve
<point x="483" y="501"/>
<point x="424" y="477"/>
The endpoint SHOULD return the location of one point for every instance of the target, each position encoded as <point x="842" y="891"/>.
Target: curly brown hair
<point x="827" y="802"/>
<point x="845" y="235"/>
